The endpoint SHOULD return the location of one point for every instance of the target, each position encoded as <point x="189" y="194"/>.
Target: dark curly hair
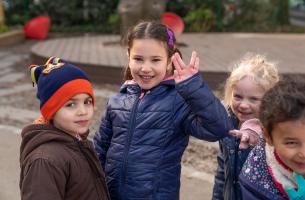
<point x="284" y="102"/>
<point x="151" y="30"/>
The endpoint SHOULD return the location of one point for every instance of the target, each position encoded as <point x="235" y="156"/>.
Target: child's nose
<point x="244" y="104"/>
<point x="82" y="110"/>
<point x="145" y="67"/>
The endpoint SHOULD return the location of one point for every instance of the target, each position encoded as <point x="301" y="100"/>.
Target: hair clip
<point x="170" y="37"/>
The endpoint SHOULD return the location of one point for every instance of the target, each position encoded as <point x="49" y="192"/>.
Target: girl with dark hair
<point x="147" y="125"/>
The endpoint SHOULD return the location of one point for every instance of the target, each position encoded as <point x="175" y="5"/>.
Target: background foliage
<point x="198" y="15"/>
<point x="73" y="15"/>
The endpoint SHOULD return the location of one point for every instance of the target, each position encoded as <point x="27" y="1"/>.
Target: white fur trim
<point x="280" y="174"/>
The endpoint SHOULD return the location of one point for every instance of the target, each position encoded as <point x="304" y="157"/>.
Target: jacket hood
<point x="38" y="134"/>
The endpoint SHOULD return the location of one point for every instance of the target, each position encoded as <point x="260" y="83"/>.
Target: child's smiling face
<point x="148" y="62"/>
<point x="246" y="99"/>
<point x="288" y="139"/>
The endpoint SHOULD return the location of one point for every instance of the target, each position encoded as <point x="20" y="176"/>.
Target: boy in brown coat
<point x="56" y="159"/>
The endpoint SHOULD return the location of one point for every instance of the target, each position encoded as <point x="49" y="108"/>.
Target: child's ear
<point x="267" y="137"/>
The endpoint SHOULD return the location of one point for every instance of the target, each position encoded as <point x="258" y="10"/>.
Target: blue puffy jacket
<point x="141" y="139"/>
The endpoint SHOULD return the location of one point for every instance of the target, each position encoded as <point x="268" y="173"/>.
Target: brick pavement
<point x="217" y="52"/>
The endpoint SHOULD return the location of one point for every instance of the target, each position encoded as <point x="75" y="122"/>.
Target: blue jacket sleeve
<point x="218" y="190"/>
<point x="208" y="118"/>
<point x="102" y="138"/>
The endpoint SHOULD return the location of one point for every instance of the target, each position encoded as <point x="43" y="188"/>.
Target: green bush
<point x="114" y="22"/>
<point x="200" y="20"/>
<point x="259" y="16"/>
<point x="3" y="28"/>
<point x="83" y="15"/>
<point x="247" y="15"/>
<point x="199" y="15"/>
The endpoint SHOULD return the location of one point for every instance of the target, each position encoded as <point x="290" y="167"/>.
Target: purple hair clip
<point x="170" y="37"/>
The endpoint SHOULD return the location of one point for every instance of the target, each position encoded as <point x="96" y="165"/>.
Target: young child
<point x="275" y="169"/>
<point x="56" y="159"/>
<point x="147" y="125"/>
<point x="247" y="83"/>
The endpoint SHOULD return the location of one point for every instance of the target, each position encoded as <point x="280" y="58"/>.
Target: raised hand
<point x="249" y="133"/>
<point x="183" y="71"/>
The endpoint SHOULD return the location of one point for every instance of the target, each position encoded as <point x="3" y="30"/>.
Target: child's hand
<point x="183" y="71"/>
<point x="300" y="193"/>
<point x="249" y="133"/>
<point x="247" y="137"/>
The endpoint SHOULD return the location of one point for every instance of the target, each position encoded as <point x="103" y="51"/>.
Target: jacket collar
<point x="281" y="174"/>
<point x="35" y="135"/>
<point x="130" y="86"/>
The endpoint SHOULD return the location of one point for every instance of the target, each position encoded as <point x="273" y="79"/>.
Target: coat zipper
<point x="129" y="136"/>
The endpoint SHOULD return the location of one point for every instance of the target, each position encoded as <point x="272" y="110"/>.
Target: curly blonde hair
<point x="255" y="66"/>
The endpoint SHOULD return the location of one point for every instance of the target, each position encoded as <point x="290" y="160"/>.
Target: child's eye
<point x="88" y="102"/>
<point x="70" y="104"/>
<point x="138" y="59"/>
<point x="291" y="143"/>
<point x="236" y="96"/>
<point x="254" y="99"/>
<point x="156" y="60"/>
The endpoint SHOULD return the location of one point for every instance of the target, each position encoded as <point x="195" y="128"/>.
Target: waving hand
<point x="183" y="71"/>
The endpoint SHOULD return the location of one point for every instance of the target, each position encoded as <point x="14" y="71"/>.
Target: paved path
<point x="103" y="57"/>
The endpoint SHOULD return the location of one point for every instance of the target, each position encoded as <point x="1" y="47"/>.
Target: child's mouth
<point x="300" y="164"/>
<point x="82" y="122"/>
<point x="146" y="79"/>
<point x="244" y="113"/>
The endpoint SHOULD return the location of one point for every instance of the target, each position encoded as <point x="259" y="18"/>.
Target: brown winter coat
<point x="55" y="165"/>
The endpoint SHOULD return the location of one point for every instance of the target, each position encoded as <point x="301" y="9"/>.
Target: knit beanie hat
<point x="58" y="81"/>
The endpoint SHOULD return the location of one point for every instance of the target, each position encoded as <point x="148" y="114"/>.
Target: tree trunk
<point x="1" y="14"/>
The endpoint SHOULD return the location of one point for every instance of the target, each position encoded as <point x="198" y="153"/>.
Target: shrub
<point x="200" y="20"/>
<point x="67" y="14"/>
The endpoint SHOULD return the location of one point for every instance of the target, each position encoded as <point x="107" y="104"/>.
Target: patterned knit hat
<point x="57" y="82"/>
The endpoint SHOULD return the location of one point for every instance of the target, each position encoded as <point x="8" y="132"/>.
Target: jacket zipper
<point x="94" y="169"/>
<point x="129" y="136"/>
